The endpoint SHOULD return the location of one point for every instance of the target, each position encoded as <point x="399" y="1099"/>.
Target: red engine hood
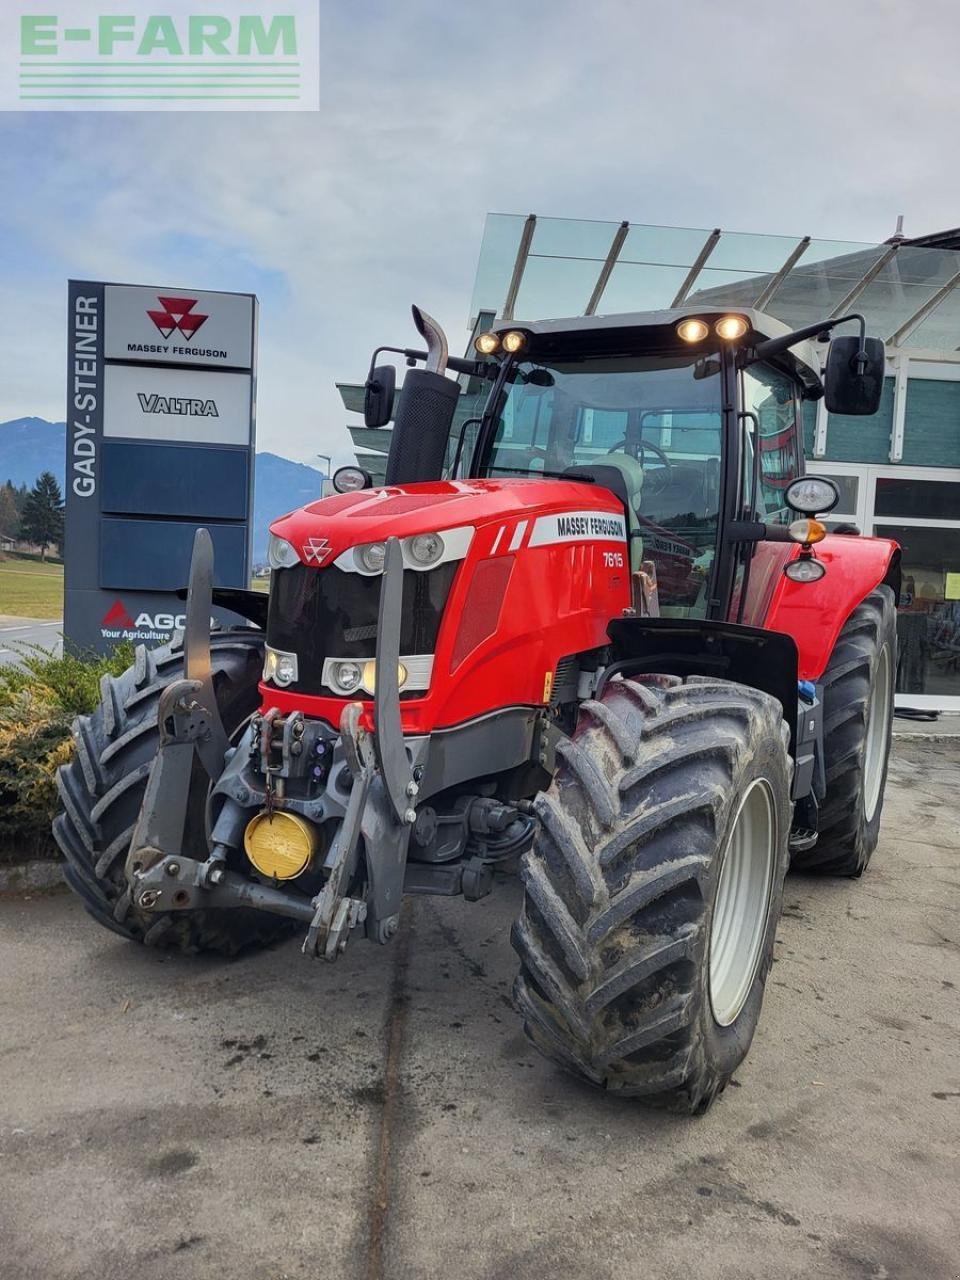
<point x="371" y="515"/>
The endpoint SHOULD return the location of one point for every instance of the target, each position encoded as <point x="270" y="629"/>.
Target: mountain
<point x="31" y="445"/>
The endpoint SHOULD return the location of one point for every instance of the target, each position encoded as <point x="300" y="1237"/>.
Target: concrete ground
<point x="174" y="1118"/>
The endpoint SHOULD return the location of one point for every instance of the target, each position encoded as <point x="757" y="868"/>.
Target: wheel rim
<point x="742" y="904"/>
<point x="878" y="722"/>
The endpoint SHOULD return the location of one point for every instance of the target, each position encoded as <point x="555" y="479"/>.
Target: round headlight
<point x="811" y="495"/>
<point x="487" y="344"/>
<point x="348" y="676"/>
<point x="285" y="671"/>
<point x="372" y="555"/>
<point x="730" y="328"/>
<point x="281" y="554"/>
<point x="692" y="330"/>
<point x="350" y="479"/>
<point x="806" y="569"/>
<point x="514" y="341"/>
<point x="425" y="548"/>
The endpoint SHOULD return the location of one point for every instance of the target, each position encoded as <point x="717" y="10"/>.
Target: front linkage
<point x="372" y="787"/>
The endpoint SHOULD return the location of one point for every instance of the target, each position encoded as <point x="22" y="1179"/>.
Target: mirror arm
<point x="774" y="346"/>
<point x="472" y="368"/>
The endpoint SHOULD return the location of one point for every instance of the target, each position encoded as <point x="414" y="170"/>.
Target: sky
<point x="826" y="118"/>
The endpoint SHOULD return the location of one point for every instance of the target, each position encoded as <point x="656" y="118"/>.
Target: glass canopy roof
<point x="534" y="268"/>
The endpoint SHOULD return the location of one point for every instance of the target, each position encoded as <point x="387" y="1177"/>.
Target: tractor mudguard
<point x="765" y="660"/>
<point x="814" y="613"/>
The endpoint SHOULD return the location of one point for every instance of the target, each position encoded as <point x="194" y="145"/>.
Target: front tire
<point x="102" y="787"/>
<point x="653" y="889"/>
<point x="857" y="694"/>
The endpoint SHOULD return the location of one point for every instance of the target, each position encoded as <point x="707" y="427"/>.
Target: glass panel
<point x="635" y="288"/>
<point x="924" y="499"/>
<point x="498" y="252"/>
<point x="771" y="395"/>
<point x="941" y="329"/>
<point x="928" y="619"/>
<point x="657" y="425"/>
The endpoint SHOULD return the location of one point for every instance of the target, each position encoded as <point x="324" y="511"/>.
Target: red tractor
<point x="614" y="643"/>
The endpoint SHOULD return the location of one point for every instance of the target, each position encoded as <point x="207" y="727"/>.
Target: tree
<point x="9" y="514"/>
<point x="42" y="520"/>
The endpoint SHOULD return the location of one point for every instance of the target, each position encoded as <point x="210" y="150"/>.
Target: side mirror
<point x="850" y="385"/>
<point x="378" y="394"/>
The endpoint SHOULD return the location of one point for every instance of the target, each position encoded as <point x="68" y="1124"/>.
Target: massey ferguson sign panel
<point x="179" y="326"/>
<point x="160" y="440"/>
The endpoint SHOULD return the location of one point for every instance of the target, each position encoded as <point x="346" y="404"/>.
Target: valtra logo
<point x="177" y="316"/>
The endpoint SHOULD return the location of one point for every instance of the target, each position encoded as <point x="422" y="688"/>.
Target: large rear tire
<point x="102" y="787"/>
<point x="857" y="692"/>
<point x="654" y="886"/>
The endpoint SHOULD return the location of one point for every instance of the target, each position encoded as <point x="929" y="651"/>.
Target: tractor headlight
<point x="692" y="330"/>
<point x="425" y="548"/>
<point x="346" y="676"/>
<point x="514" y="342"/>
<point x="806" y="569"/>
<point x="281" y="554"/>
<point x="731" y="328"/>
<point x="811" y="495"/>
<point x="370" y="676"/>
<point x="371" y="556"/>
<point x="280" y="667"/>
<point x="487" y="344"/>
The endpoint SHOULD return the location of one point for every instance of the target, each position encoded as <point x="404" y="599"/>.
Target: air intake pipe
<point x="424" y="416"/>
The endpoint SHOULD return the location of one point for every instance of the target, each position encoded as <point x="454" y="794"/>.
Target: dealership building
<point x="898" y="472"/>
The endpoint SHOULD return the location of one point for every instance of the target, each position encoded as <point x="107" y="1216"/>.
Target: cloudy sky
<point x="827" y="118"/>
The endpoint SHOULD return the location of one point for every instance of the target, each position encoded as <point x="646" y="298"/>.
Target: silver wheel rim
<point x="743" y="902"/>
<point x="878" y="723"/>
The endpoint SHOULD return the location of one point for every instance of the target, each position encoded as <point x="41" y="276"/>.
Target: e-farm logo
<point x="92" y="57"/>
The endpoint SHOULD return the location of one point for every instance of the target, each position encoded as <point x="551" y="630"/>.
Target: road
<point x="385" y="1118"/>
<point x="26" y="631"/>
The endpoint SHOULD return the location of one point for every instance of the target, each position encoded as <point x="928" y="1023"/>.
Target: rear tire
<point x="641" y="968"/>
<point x="857" y="692"/>
<point x="102" y="787"/>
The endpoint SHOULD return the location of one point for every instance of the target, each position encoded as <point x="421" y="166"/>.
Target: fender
<point x="813" y="613"/>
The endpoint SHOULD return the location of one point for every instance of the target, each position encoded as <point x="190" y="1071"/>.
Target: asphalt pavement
<point x="16" y="632"/>
<point x="384" y="1118"/>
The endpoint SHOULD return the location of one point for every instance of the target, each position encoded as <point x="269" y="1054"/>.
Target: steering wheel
<point x="660" y="478"/>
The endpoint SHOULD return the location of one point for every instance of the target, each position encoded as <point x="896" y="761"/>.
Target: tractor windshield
<point x="658" y="420"/>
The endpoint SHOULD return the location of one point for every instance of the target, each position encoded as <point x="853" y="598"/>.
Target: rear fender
<point x="814" y="613"/>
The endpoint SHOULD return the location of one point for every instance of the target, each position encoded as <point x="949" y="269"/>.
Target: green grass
<point x="30" y="589"/>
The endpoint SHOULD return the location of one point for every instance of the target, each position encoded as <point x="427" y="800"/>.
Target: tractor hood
<point x="321" y="532"/>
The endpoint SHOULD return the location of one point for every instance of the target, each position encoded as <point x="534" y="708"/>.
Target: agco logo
<point x="117" y="621"/>
<point x="177" y="316"/>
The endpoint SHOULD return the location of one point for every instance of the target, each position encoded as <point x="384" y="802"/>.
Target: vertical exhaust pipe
<point x="428" y="402"/>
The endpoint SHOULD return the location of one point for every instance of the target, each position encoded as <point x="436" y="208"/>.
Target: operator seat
<point x="624" y="477"/>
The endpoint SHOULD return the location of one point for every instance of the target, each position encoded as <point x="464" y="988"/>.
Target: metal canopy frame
<point x="921" y="313"/>
<point x="698" y="264"/>
<point x="867" y="278"/>
<point x="774" y="283"/>
<point x="609" y="263"/>
<point x="519" y="265"/>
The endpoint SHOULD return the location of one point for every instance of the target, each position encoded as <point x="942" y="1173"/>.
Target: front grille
<point x="329" y="613"/>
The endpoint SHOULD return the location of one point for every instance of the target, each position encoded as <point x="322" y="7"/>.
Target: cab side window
<point x="772" y="397"/>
